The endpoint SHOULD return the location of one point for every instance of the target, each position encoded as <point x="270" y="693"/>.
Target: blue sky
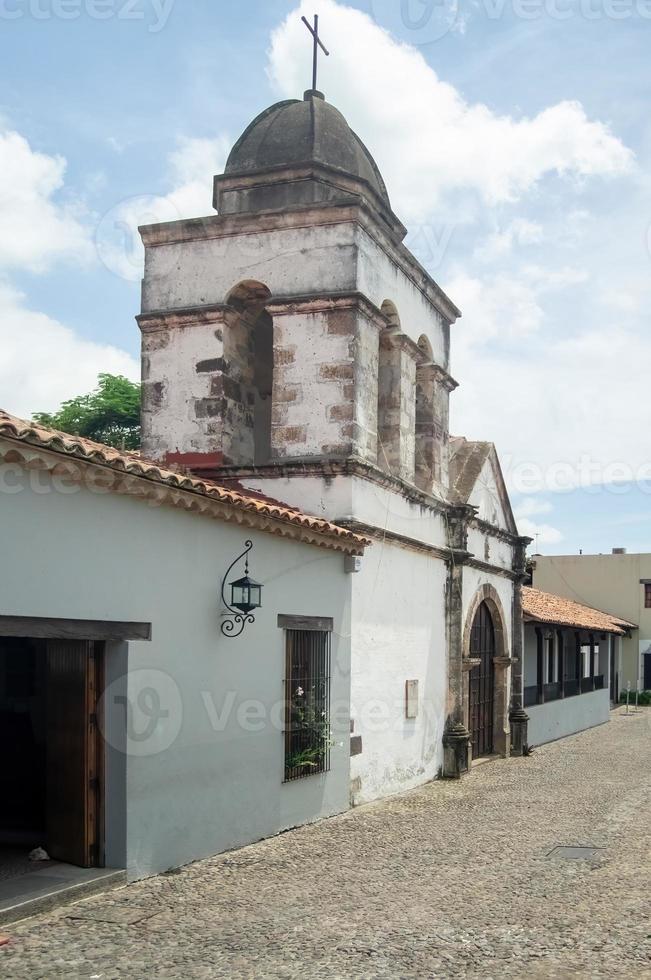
<point x="514" y="137"/>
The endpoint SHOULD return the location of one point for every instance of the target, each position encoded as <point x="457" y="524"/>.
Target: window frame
<point x="307" y="689"/>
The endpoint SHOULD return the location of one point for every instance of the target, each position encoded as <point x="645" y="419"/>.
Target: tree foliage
<point x="109" y="414"/>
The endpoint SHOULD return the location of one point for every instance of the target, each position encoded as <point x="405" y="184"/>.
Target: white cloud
<point x="502" y="241"/>
<point x="531" y="506"/>
<point x="541" y="533"/>
<point x="42" y="362"/>
<point x="191" y="167"/>
<point x="427" y="138"/>
<point x="36" y="227"/>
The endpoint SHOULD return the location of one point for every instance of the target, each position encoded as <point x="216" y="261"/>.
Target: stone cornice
<point x="332" y="467"/>
<point x="187" y="317"/>
<point x="490" y="569"/>
<point x="495" y="532"/>
<point x="326" y="302"/>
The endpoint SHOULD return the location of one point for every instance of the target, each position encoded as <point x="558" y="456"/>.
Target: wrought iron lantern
<point x="245" y="596"/>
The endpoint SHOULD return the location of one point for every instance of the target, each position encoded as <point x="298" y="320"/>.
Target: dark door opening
<point x="647" y="671"/>
<point x="52" y="771"/>
<point x="482" y="682"/>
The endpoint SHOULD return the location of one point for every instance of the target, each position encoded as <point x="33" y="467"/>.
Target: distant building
<point x="618" y="583"/>
<point x="572" y="664"/>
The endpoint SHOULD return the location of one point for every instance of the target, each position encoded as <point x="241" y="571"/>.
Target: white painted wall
<point x="557" y="719"/>
<point x="211" y="786"/>
<point x="399" y="634"/>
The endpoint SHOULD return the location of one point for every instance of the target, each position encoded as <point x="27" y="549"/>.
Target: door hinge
<point x="93" y="783"/>
<point x="92" y="720"/>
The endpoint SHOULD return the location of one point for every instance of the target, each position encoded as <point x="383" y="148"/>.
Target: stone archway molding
<point x="502" y="663"/>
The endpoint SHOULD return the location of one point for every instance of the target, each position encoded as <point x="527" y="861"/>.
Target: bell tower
<point x="294" y="327"/>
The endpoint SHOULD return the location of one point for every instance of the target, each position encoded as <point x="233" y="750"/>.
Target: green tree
<point x="109" y="414"/>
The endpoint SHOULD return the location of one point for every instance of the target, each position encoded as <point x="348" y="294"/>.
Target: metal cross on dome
<point x="318" y="43"/>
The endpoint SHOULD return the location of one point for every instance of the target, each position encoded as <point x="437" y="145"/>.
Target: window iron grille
<point x="307" y="703"/>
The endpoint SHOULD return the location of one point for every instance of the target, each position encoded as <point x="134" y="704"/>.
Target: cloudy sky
<point x="514" y="136"/>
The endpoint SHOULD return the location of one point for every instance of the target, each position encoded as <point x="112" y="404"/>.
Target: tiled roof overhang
<point x="555" y="610"/>
<point x="107" y="470"/>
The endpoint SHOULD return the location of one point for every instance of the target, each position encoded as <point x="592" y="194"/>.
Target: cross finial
<point x="318" y="43"/>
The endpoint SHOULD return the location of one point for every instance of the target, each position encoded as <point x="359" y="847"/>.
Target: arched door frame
<point x="502" y="663"/>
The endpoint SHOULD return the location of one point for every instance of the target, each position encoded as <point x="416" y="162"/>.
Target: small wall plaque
<point x="411" y="699"/>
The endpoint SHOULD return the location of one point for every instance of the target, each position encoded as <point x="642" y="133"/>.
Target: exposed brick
<point x="153" y="395"/>
<point x="337" y="449"/>
<point x="155" y="341"/>
<point x="208" y="407"/>
<point x="286" y="394"/>
<point x="286" y="355"/>
<point x="337" y="372"/>
<point x="341" y="413"/>
<point x="341" y="324"/>
<point x="208" y="367"/>
<point x="219" y="335"/>
<point x="290" y="433"/>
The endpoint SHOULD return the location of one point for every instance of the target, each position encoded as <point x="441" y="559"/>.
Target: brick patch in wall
<point x="290" y="433"/>
<point x="337" y="372"/>
<point x="208" y="367"/>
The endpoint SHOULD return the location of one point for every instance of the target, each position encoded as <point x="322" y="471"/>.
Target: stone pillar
<point x="183" y="392"/>
<point x="518" y="717"/>
<point x="427" y="430"/>
<point x="325" y="392"/>
<point x="457" y="754"/>
<point x="397" y="404"/>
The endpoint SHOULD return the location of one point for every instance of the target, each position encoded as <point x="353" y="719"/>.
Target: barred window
<point x="307" y="703"/>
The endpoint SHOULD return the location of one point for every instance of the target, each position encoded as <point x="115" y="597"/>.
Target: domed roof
<point x="294" y="133"/>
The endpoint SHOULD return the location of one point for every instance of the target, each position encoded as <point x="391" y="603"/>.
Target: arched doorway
<point x="482" y="682"/>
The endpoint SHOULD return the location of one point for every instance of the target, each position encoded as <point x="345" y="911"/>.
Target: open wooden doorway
<point x="74" y="756"/>
<point x="53" y="752"/>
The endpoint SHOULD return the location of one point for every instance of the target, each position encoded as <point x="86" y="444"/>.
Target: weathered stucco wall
<point x="398" y="611"/>
<point x="211" y="775"/>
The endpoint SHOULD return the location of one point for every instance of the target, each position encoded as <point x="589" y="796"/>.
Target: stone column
<point x="518" y="717"/>
<point x="457" y="754"/>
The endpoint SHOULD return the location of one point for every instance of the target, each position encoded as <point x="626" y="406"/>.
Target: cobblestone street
<point x="452" y="880"/>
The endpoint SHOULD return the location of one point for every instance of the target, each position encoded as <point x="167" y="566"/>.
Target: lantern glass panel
<point x="246" y="594"/>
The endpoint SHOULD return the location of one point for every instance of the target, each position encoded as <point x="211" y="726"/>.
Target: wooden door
<point x="73" y="760"/>
<point x="482" y="682"/>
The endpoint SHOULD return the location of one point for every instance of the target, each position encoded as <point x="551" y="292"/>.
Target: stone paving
<point x="452" y="880"/>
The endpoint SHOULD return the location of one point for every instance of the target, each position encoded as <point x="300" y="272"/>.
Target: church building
<point x="293" y="348"/>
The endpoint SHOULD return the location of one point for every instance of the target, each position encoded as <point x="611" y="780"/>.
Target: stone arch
<point x="488" y="595"/>
<point x="425" y="348"/>
<point x="248" y="373"/>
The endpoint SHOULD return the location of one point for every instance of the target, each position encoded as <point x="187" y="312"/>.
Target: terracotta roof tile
<point x="34" y="434"/>
<point x="543" y="607"/>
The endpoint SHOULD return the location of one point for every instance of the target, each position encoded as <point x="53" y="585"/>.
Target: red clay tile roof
<point x="134" y="464"/>
<point x="543" y="607"/>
